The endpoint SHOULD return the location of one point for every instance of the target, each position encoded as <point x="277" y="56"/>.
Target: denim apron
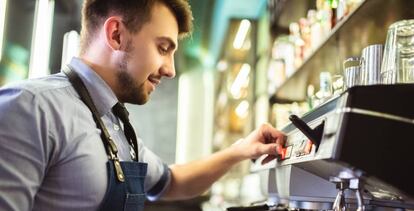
<point x="128" y="195"/>
<point x="125" y="190"/>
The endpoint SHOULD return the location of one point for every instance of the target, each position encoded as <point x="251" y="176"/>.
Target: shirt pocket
<point x="134" y="202"/>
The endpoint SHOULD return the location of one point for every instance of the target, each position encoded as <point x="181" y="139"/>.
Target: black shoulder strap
<point x="109" y="144"/>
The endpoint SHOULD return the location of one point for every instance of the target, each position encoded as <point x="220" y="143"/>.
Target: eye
<point x="163" y="50"/>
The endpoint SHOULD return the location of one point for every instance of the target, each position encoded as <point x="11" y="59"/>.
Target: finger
<point x="281" y="141"/>
<point x="270" y="134"/>
<point x="278" y="140"/>
<point x="272" y="149"/>
<point x="268" y="159"/>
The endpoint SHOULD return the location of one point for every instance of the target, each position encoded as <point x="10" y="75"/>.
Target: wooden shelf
<point x="367" y="25"/>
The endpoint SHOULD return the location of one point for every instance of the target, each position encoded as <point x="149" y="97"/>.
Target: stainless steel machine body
<point x="356" y="154"/>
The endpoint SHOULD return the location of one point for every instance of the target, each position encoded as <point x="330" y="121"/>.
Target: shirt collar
<point x="102" y="95"/>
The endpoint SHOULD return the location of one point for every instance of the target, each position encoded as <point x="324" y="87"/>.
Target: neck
<point x="100" y="61"/>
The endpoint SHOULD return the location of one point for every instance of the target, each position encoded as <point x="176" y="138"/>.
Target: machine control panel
<point x="301" y="148"/>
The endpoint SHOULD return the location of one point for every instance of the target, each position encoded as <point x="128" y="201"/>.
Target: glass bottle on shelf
<point x="315" y="30"/>
<point x="295" y="38"/>
<point x="342" y="10"/>
<point x="333" y="4"/>
<point x="310" y="96"/>
<point x="285" y="50"/>
<point x="325" y="86"/>
<point x="324" y="15"/>
<point x="306" y="36"/>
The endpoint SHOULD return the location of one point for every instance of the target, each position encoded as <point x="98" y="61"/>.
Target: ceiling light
<point x="222" y="65"/>
<point x="3" y="7"/>
<point x="70" y="47"/>
<point x="240" y="80"/>
<point x="241" y="34"/>
<point x="242" y="109"/>
<point x="42" y="34"/>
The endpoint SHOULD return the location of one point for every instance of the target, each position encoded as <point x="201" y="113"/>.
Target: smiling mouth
<point x="154" y="81"/>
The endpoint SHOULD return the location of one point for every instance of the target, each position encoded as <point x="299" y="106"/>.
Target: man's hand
<point x="199" y="175"/>
<point x="264" y="140"/>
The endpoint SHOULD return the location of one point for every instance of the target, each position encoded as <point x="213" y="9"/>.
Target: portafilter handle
<point x="315" y="135"/>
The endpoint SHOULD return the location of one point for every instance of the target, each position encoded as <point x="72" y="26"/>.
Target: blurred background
<point x="246" y="63"/>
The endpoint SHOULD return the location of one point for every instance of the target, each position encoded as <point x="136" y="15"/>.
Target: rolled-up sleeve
<point x="158" y="173"/>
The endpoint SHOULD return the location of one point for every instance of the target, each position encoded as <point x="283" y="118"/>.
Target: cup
<point x="337" y="84"/>
<point x="325" y="84"/>
<point x="352" y="71"/>
<point x="371" y="59"/>
<point x="398" y="62"/>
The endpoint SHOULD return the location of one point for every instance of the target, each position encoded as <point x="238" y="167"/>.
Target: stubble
<point x="130" y="92"/>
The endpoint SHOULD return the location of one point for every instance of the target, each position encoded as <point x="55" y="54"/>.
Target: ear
<point x="114" y="32"/>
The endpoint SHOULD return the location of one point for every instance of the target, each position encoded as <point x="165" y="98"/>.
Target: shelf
<point x="367" y="25"/>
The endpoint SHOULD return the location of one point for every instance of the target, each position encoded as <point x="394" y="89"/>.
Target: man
<point x="61" y="151"/>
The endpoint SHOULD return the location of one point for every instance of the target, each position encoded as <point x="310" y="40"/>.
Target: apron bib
<point x="125" y="190"/>
<point x="128" y="195"/>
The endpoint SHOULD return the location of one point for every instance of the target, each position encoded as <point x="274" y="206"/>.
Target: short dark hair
<point x="135" y="14"/>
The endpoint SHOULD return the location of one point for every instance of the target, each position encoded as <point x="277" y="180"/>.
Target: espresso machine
<point x="354" y="152"/>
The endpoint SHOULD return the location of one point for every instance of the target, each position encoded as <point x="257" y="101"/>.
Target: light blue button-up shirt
<point x="51" y="153"/>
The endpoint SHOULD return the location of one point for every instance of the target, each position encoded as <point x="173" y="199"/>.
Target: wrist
<point x="236" y="150"/>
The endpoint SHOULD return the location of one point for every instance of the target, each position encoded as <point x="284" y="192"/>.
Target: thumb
<point x="268" y="149"/>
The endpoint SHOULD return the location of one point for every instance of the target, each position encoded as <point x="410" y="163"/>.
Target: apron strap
<point x="109" y="144"/>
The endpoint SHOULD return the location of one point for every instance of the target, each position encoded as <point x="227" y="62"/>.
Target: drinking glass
<point x="352" y="71"/>
<point x="398" y="60"/>
<point x="371" y="59"/>
<point x="337" y="84"/>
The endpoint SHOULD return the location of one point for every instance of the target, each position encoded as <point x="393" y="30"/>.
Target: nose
<point x="168" y="69"/>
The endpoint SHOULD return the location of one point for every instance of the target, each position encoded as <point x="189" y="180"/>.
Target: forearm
<point x="194" y="178"/>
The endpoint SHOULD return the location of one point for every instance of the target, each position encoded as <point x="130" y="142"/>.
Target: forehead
<point x="162" y="23"/>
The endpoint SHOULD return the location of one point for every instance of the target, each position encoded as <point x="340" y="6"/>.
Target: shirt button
<point x="116" y="127"/>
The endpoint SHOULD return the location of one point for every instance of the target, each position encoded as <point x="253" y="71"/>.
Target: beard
<point x="130" y="91"/>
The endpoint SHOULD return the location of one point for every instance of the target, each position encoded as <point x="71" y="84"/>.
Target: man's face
<point x="147" y="57"/>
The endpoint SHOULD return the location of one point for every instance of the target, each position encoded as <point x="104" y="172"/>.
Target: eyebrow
<point x="171" y="43"/>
